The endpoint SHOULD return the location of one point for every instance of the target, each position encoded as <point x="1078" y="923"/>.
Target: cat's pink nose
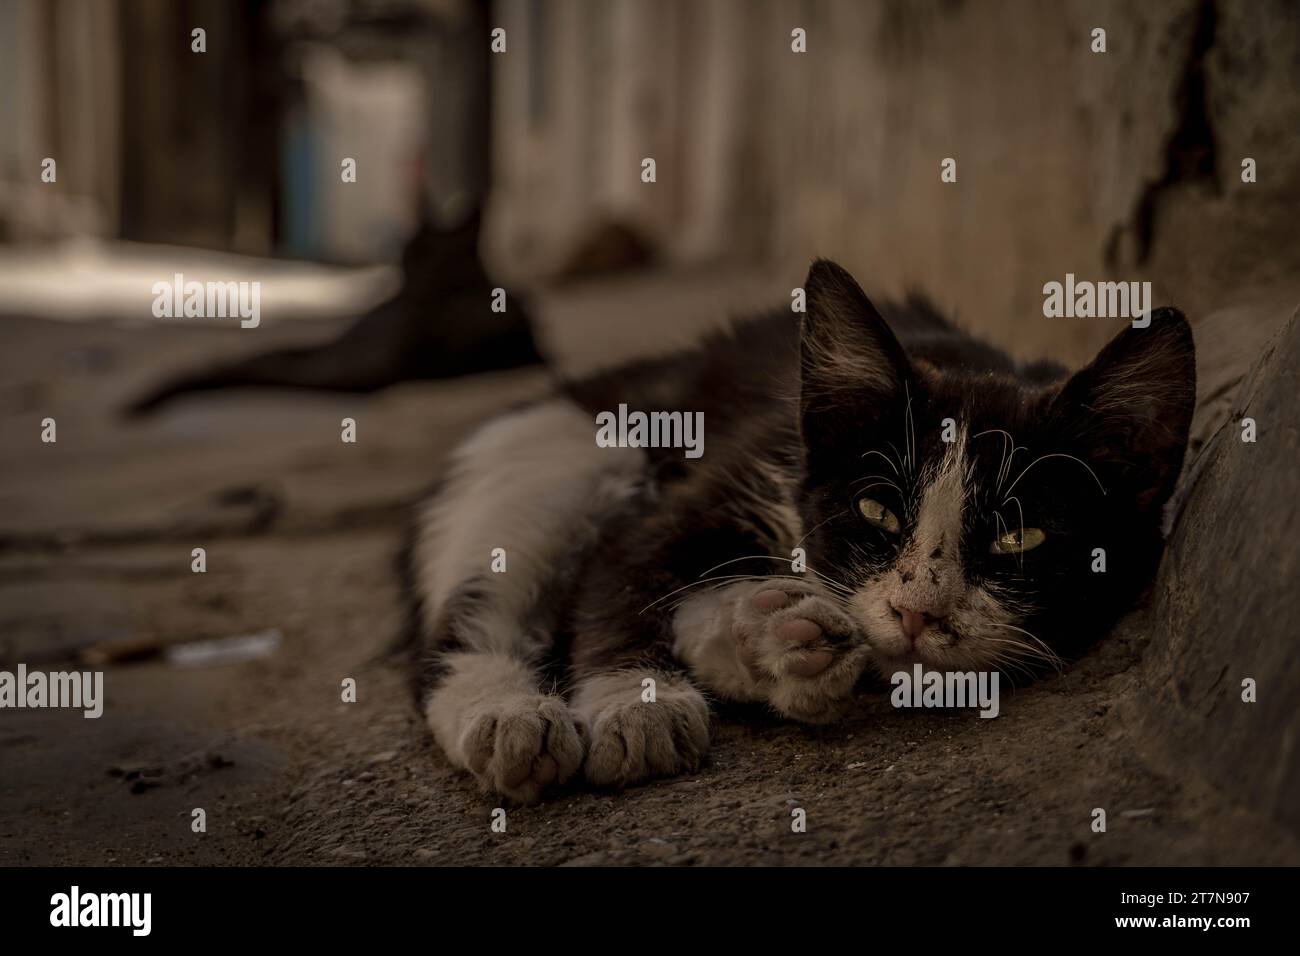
<point x="913" y="622"/>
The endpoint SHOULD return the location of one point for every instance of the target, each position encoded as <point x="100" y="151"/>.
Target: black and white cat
<point x="951" y="505"/>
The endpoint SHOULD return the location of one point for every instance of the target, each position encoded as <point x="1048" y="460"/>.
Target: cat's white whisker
<point x="836" y="589"/>
<point x="1001" y="524"/>
<point x="687" y="587"/>
<point x="1056" y="455"/>
<point x="888" y="460"/>
<point x="1012" y="663"/>
<point x="911" y="430"/>
<point x="818" y="525"/>
<point x="1020" y="556"/>
<point x="1042" y="650"/>
<point x="833" y="584"/>
<point x="1011" y="460"/>
<point x="719" y="583"/>
<point x="747" y="557"/>
<point x="897" y="454"/>
<point x="1009" y="449"/>
<point x="1007" y="666"/>
<point x="882" y="481"/>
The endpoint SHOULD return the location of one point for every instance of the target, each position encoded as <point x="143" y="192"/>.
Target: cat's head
<point x="973" y="519"/>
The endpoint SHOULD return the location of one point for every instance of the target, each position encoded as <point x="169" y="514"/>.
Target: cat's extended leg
<point x="624" y="633"/>
<point x="490" y="717"/>
<point x="644" y="722"/>
<point x="781" y="641"/>
<point x="494" y="557"/>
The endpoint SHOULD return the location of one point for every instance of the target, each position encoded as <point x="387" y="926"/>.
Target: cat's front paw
<point x="803" y="650"/>
<point x="521" y="745"/>
<point x="636" y="734"/>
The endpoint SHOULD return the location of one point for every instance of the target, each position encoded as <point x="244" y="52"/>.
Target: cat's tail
<point x="387" y="346"/>
<point x="327" y="367"/>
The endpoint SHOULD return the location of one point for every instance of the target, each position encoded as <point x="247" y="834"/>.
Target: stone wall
<point x="1227" y="603"/>
<point x="1124" y="164"/>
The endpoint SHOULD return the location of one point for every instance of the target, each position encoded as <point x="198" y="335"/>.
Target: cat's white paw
<point x="634" y="739"/>
<point x="805" y="652"/>
<point x="522" y="744"/>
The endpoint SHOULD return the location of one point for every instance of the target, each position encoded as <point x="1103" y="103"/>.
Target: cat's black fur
<point x="802" y="418"/>
<point x="693" y="519"/>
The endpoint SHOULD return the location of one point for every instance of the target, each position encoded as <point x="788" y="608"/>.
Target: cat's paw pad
<point x="634" y="739"/>
<point x="797" y="645"/>
<point x="806" y="650"/>
<point x="522" y="745"/>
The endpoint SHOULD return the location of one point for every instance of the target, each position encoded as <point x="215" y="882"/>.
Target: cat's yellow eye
<point x="878" y="515"/>
<point x="1017" y="542"/>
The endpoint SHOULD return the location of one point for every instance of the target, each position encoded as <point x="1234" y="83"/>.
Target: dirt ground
<point x="301" y="530"/>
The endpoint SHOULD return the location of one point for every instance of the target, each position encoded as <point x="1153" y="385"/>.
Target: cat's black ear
<point x="850" y="361"/>
<point x="1132" y="407"/>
